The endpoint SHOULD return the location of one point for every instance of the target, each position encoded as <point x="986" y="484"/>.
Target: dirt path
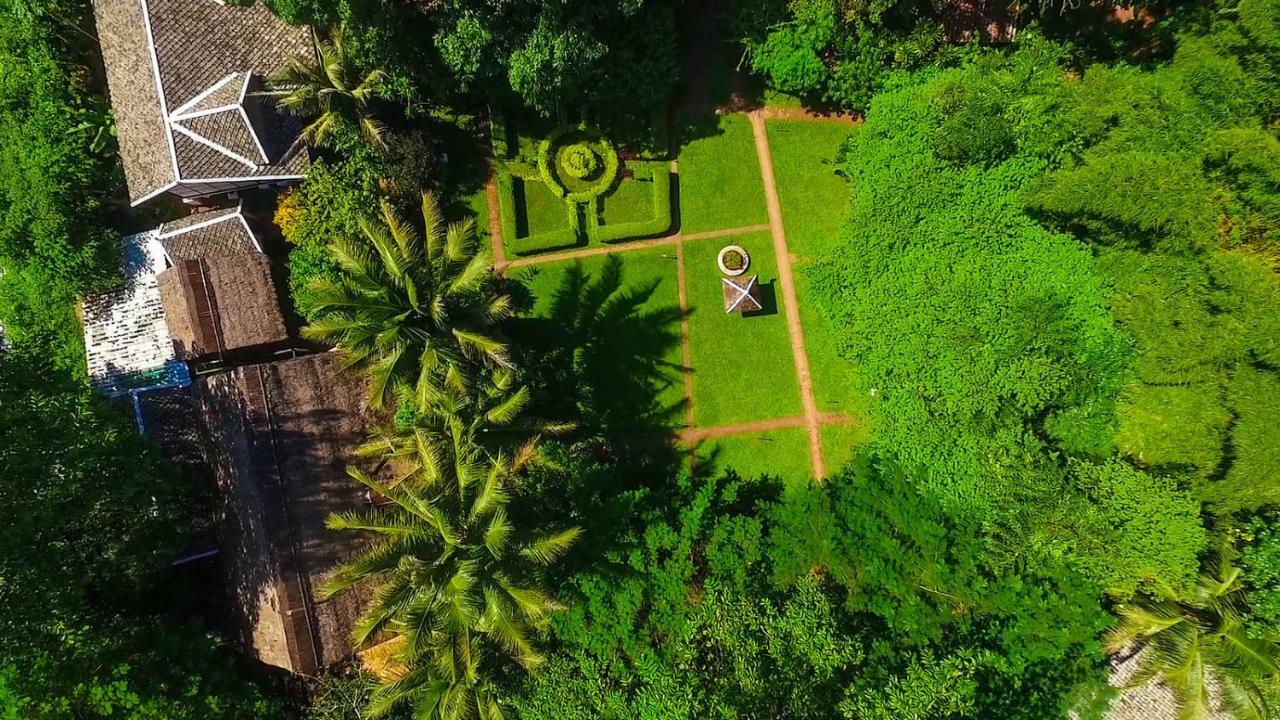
<point x="837" y="117"/>
<point x="623" y="247"/>
<point x="812" y="419"/>
<point x="495" y="221"/>
<point x="747" y="428"/>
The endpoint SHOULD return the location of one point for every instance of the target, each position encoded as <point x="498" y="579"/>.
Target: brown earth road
<point x="777" y="113"/>
<point x="495" y="221"/>
<point x="636" y="245"/>
<point x="812" y="419"/>
<point x="758" y="426"/>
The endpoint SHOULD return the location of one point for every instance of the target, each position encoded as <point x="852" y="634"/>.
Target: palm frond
<point x="546" y="549"/>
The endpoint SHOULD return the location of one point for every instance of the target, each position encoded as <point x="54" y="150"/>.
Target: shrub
<point x="507" y="204"/>
<point x="656" y="225"/>
<point x="548" y="151"/>
<point x="580" y="161"/>
<point x="545" y="242"/>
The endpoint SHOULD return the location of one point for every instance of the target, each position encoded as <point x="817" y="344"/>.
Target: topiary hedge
<point x="547" y="165"/>
<point x="656" y="225"/>
<point x="530" y="244"/>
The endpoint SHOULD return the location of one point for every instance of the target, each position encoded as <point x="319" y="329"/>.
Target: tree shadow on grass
<point x="603" y="355"/>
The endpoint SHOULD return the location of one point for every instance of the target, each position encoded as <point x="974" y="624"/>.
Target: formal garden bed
<point x="572" y="187"/>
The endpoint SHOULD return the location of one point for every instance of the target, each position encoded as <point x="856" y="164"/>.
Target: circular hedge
<point x="577" y="163"/>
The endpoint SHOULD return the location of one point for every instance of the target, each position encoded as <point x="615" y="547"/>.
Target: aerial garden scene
<point x="641" y="360"/>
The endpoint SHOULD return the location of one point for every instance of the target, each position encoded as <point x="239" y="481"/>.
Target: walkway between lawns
<point x="812" y="420"/>
<point x="813" y="423"/>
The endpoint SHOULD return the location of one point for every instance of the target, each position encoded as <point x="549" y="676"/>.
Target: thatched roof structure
<point x="279" y="438"/>
<point x="741" y="294"/>
<point x="218" y="305"/>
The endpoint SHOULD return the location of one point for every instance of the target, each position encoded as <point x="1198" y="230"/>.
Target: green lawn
<point x="839" y="443"/>
<point x="621" y="345"/>
<point x="809" y="191"/>
<point x="742" y="366"/>
<point x="720" y="184"/>
<point x="544" y="210"/>
<point x="631" y="201"/>
<point x="778" y="453"/>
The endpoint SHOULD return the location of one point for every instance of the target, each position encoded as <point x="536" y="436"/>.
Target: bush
<point x="656" y="225"/>
<point x="548" y="152"/>
<point x="579" y="161"/>
<point x="545" y="242"/>
<point x="507" y="204"/>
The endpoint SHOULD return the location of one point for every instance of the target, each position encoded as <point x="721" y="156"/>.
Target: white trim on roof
<point x="165" y="188"/>
<point x="241" y="179"/>
<point x="182" y="111"/>
<point x="206" y="141"/>
<point x="245" y="224"/>
<point x="164" y="102"/>
<point x="743" y="292"/>
<point x="203" y="224"/>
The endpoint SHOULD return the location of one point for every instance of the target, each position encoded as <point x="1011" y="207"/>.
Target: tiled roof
<point x="218" y="233"/>
<point x="124" y="330"/>
<point x="207" y="56"/>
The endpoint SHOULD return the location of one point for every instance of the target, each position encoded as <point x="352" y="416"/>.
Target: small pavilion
<point x="741" y="294"/>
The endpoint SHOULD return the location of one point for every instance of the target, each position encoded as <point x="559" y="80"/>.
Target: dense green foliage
<point x="839" y="53"/>
<point x="56" y="191"/>
<point x="95" y="519"/>
<point x="551" y="57"/>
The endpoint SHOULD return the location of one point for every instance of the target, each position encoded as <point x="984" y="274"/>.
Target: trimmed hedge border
<point x="507" y="205"/>
<point x="656" y="225"/>
<point x="547" y="162"/>
<point x="530" y="244"/>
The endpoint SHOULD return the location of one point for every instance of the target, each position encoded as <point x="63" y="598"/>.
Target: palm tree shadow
<point x="604" y="354"/>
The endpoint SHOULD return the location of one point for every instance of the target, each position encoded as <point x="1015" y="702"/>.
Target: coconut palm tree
<point x="1196" y="644"/>
<point x="415" y="310"/>
<point x="439" y="448"/>
<point x="331" y="89"/>
<point x="457" y="586"/>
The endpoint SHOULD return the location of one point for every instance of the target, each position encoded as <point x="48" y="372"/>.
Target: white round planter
<point x="746" y="260"/>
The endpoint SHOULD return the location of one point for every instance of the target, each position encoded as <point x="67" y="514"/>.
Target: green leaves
<point x="418" y="315"/>
<point x="333" y="91"/>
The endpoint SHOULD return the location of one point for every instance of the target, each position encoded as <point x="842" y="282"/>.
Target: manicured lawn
<point x="632" y="201"/>
<point x="839" y="442"/>
<point x="809" y="192"/>
<point x="653" y="328"/>
<point x="544" y="211"/>
<point x="742" y="366"/>
<point x="720" y="184"/>
<point x="777" y="453"/>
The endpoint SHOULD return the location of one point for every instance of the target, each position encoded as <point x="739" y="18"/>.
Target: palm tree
<point x="331" y="89"/>
<point x="1194" y="641"/>
<point x="441" y="446"/>
<point x="416" y="310"/>
<point x="457" y="586"/>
